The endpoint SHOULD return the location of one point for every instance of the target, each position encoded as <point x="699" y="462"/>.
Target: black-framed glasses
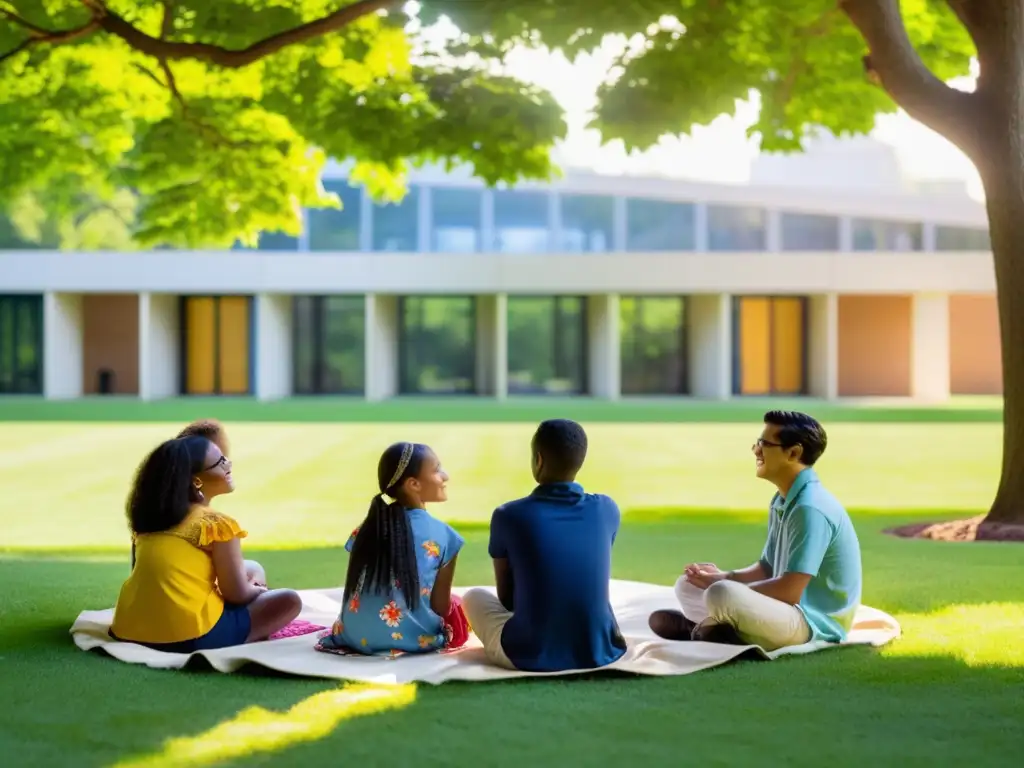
<point x="762" y="443"/>
<point x="223" y="461"/>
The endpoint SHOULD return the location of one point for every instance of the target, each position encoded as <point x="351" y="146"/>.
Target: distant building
<point x="602" y="286"/>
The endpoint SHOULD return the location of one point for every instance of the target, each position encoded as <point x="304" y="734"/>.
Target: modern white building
<point x="593" y="285"/>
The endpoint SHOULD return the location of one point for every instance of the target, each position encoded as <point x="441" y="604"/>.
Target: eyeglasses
<point x="762" y="443"/>
<point x="223" y="461"/>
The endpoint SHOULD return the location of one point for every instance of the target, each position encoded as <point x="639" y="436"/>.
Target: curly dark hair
<point x="211" y="429"/>
<point x="162" y="493"/>
<point x="562" y="444"/>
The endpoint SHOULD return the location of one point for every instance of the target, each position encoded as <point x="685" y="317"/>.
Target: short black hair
<point x="562" y="444"/>
<point x="796" y="428"/>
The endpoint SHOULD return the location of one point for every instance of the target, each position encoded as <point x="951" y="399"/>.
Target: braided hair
<point x="383" y="552"/>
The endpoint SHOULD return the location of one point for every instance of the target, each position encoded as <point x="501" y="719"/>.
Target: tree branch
<point x="233" y="59"/>
<point x="37" y="35"/>
<point x="900" y="70"/>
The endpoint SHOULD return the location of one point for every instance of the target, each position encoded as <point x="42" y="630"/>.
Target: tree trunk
<point x="1003" y="179"/>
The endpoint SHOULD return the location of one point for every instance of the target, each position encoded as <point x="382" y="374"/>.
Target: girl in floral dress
<point x="398" y="591"/>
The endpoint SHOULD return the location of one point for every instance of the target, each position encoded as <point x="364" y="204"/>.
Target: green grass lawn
<point x="948" y="692"/>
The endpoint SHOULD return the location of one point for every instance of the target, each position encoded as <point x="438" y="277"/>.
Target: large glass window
<point x="660" y="225"/>
<point x="334" y="230"/>
<point x="587" y="223"/>
<point x="328" y="345"/>
<point x="547" y="345"/>
<point x="809" y="232"/>
<point x="962" y="239"/>
<point x="653" y="350"/>
<point x="396" y="226"/>
<point x="456" y="219"/>
<point x="880" y="235"/>
<point x="272" y="241"/>
<point x="21" y="345"/>
<point x="732" y="228"/>
<point x="437" y="344"/>
<point x="521" y="221"/>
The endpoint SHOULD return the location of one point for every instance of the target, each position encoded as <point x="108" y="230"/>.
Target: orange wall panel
<point x="110" y="340"/>
<point x="975" y="363"/>
<point x="200" y="327"/>
<point x="875" y="337"/>
<point x="755" y="346"/>
<point x="234" y="345"/>
<point x="787" y="346"/>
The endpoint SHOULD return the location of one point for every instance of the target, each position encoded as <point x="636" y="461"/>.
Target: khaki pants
<point x="488" y="617"/>
<point x="757" y="619"/>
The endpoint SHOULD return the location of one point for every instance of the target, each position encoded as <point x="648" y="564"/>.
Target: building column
<point x="823" y="346"/>
<point x="273" y="346"/>
<point x="62" y="345"/>
<point x="709" y="317"/>
<point x="929" y="353"/>
<point x="381" y="347"/>
<point x="492" y="345"/>
<point x="605" y="351"/>
<point x="159" y="346"/>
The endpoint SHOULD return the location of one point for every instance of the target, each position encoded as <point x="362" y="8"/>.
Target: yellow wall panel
<point x="787" y="346"/>
<point x="234" y="345"/>
<point x="755" y="345"/>
<point x="200" y="327"/>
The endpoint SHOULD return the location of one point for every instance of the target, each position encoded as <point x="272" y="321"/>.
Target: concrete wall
<point x="110" y="340"/>
<point x="273" y="345"/>
<point x="604" y="353"/>
<point x="975" y="362"/>
<point x="381" y="347"/>
<point x="62" y="345"/>
<point x="875" y="339"/>
<point x="159" y="346"/>
<point x="710" y="345"/>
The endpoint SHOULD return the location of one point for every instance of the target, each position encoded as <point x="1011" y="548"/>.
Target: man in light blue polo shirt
<point x="807" y="583"/>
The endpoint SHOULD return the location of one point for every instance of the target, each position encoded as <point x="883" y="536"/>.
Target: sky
<point x="720" y="152"/>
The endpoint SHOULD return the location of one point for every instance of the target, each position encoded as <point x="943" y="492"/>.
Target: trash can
<point x="105" y="381"/>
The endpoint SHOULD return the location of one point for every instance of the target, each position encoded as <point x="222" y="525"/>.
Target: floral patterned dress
<point x="383" y="624"/>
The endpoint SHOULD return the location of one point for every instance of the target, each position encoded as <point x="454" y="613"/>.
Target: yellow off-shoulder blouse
<point x="172" y="594"/>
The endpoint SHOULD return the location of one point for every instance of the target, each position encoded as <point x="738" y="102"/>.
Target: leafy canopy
<point x="220" y="114"/>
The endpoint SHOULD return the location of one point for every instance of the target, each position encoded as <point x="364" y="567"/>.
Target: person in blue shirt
<point x="552" y="553"/>
<point x="398" y="590"/>
<point x="806" y="585"/>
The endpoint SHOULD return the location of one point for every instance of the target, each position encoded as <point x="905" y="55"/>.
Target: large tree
<point x="219" y="113"/>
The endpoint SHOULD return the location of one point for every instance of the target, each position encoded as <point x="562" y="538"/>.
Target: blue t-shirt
<point x="380" y="623"/>
<point x="558" y="542"/>
<point x="810" y="532"/>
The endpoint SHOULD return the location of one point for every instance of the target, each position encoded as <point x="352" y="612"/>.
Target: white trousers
<point x="488" y="618"/>
<point x="757" y="619"/>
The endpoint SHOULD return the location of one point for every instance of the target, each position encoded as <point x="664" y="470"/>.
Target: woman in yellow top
<point x="189" y="589"/>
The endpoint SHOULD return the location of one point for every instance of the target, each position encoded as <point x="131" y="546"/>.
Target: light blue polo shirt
<point x="810" y="532"/>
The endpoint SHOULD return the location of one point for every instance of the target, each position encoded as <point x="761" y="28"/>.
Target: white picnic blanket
<point x="632" y="602"/>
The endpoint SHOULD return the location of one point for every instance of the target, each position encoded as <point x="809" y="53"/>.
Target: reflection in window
<point x="334" y="230"/>
<point x="21" y="345"/>
<point x="879" y="235"/>
<point x="732" y="228"/>
<point x="272" y="241"/>
<point x="653" y="345"/>
<point x="328" y="342"/>
<point x="456" y="219"/>
<point x="587" y="223"/>
<point x="437" y="344"/>
<point x="396" y="225"/>
<point x="660" y="225"/>
<point x="962" y="239"/>
<point x="521" y="223"/>
<point x="546" y="345"/>
<point x="809" y="232"/>
<point x="10" y="239"/>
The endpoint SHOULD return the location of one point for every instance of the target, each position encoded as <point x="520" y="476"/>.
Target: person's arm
<point x="441" y="594"/>
<point x="750" y="574"/>
<point x="232" y="579"/>
<point x="808" y="535"/>
<point x="503" y="579"/>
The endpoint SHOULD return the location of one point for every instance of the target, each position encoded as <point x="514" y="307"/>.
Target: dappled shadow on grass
<point x="946" y="690"/>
